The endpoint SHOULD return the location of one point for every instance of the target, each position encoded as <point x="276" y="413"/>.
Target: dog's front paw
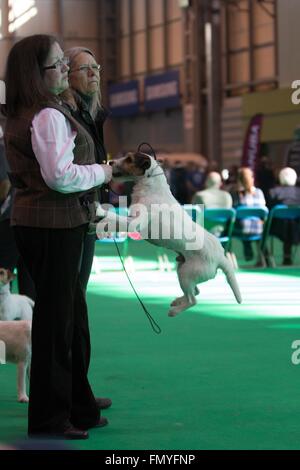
<point x="23" y="399"/>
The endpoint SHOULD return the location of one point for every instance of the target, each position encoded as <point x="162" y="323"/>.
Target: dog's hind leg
<point x="22" y="396"/>
<point x="189" y="289"/>
<point x="180" y="300"/>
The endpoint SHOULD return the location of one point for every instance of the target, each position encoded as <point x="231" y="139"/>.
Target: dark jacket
<point x="289" y="195"/>
<point x="95" y="129"/>
<point x="286" y="230"/>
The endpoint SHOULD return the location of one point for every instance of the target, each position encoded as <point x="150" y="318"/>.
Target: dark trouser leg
<point x="52" y="258"/>
<point x="25" y="282"/>
<point x="10" y="258"/>
<point x="85" y="412"/>
<point x="87" y="260"/>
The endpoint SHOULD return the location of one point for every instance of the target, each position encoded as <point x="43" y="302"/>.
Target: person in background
<point x="265" y="177"/>
<point x="52" y="166"/>
<point x="288" y="231"/>
<point x="194" y="179"/>
<point x="213" y="197"/>
<point x="246" y="194"/>
<point x="9" y="254"/>
<point x="178" y="182"/>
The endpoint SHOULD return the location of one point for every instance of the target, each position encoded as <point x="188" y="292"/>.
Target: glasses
<point x="58" y="64"/>
<point x="86" y="68"/>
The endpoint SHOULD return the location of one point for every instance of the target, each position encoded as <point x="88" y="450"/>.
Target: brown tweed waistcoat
<point x="35" y="204"/>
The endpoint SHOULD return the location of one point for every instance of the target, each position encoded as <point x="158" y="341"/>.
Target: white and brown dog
<point x="155" y="212"/>
<point x="15" y="347"/>
<point x="15" y="330"/>
<point x="13" y="306"/>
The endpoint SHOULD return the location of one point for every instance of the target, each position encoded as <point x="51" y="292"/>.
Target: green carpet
<point x="219" y="376"/>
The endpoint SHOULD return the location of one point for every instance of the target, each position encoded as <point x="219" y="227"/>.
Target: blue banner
<point x="162" y="91"/>
<point x="124" y="98"/>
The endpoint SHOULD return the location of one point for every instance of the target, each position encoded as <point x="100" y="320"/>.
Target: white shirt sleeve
<point x="52" y="141"/>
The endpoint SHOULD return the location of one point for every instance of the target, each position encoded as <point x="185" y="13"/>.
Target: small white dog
<point x="151" y="200"/>
<point x="15" y="338"/>
<point x="15" y="334"/>
<point x="13" y="306"/>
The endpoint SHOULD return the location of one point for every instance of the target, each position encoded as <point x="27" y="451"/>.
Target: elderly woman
<point x="84" y="101"/>
<point x="53" y="168"/>
<point x="83" y="98"/>
<point x="288" y="231"/>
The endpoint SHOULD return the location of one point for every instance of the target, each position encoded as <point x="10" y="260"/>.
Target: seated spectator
<point x="213" y="197"/>
<point x="194" y="179"/>
<point x="246" y="194"/>
<point x="288" y="231"/>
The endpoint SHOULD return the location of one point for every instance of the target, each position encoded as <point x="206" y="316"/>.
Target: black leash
<point x="155" y="327"/>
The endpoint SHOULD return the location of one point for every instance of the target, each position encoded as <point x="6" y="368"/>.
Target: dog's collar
<point x="158" y="174"/>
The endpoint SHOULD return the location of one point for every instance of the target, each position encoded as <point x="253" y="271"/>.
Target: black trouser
<point x="86" y="261"/>
<point x="59" y="387"/>
<point x="10" y="258"/>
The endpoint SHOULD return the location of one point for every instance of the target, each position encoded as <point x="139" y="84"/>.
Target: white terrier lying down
<point x="15" y="336"/>
<point x="157" y="215"/>
<point x="13" y="306"/>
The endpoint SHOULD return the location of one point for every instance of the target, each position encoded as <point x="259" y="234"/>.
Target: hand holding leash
<point x="108" y="173"/>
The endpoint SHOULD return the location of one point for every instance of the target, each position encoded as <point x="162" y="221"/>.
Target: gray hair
<point x="213" y="180"/>
<point x="72" y="53"/>
<point x="287" y="177"/>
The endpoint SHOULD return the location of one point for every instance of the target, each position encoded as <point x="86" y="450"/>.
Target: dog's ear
<point x="142" y="161"/>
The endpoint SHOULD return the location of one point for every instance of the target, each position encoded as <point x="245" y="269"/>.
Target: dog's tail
<point x="227" y="268"/>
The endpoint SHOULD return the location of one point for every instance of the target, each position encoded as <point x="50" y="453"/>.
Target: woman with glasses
<point x="83" y="98"/>
<point x="52" y="163"/>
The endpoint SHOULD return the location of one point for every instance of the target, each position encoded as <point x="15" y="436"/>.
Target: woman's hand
<point x="108" y="173"/>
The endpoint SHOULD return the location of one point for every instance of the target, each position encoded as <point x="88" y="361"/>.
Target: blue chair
<point x="282" y="212"/>
<point x="244" y="213"/>
<point x="220" y="222"/>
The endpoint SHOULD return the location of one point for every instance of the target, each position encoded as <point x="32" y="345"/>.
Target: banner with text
<point x="162" y="91"/>
<point x="124" y="98"/>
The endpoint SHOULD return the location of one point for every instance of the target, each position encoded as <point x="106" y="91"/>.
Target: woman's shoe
<point x="99" y="424"/>
<point x="70" y="433"/>
<point x="103" y="403"/>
